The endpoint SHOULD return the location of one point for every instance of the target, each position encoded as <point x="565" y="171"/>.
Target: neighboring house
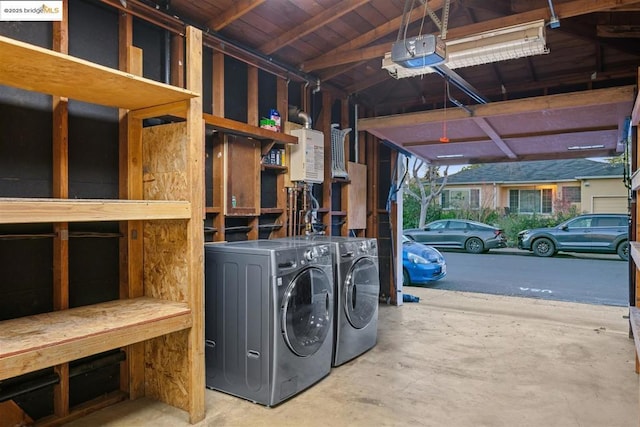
<point x="542" y="187"/>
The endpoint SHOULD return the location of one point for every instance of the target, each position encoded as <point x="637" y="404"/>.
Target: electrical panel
<point x="306" y="161"/>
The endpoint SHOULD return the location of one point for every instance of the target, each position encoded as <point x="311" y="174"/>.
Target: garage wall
<point x="607" y="195"/>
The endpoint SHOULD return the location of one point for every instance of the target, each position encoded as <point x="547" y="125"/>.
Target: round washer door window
<point x="307" y="311"/>
<point x="361" y="290"/>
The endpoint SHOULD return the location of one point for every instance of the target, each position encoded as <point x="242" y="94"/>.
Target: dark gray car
<point x="472" y="236"/>
<point x="592" y="233"/>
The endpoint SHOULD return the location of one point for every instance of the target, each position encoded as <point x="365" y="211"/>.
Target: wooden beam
<point x="320" y="20"/>
<point x="239" y="8"/>
<point x="551" y="102"/>
<point x="563" y="10"/>
<point x="618" y="31"/>
<point x="491" y="132"/>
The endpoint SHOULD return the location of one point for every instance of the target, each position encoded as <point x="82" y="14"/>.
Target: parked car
<point x="592" y="233"/>
<point x="474" y="237"/>
<point x="420" y="263"/>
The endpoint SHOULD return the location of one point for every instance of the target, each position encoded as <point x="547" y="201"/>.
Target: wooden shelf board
<point x="274" y="168"/>
<point x="43" y="340"/>
<point x="238" y="128"/>
<point x="34" y="68"/>
<point x="36" y="210"/>
<point x="212" y="210"/>
<point x="271" y="211"/>
<point x="338" y="213"/>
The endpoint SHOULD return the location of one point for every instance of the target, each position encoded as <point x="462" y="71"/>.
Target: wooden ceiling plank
<point x="517" y="106"/>
<point x="563" y="10"/>
<point x="492" y="6"/>
<point x="311" y="25"/>
<point x="491" y="133"/>
<point x="240" y="8"/>
<point x="368" y="37"/>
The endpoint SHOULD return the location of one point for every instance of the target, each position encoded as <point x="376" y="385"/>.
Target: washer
<point x="268" y="317"/>
<point x="357" y="289"/>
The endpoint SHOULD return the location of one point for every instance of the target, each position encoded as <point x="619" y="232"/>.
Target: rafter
<point x="368" y="37"/>
<point x="320" y="20"/>
<point x="563" y="10"/>
<point x="491" y="133"/>
<point x="240" y="7"/>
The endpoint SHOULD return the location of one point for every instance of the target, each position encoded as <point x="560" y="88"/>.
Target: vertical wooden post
<point x="218" y="84"/>
<point x="61" y="190"/>
<point x="253" y="120"/>
<point x="195" y="150"/>
<point x="130" y="187"/>
<point x="325" y="126"/>
<point x="177" y="60"/>
<point x="218" y="110"/>
<point x="282" y="94"/>
<point x="344" y="195"/>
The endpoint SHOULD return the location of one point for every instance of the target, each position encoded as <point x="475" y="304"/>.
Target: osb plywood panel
<point x="165" y="162"/>
<point x="357" y="196"/>
<point x="167" y="368"/>
<point x="166" y="267"/>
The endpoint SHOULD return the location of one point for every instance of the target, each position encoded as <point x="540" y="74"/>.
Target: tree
<point x="426" y="189"/>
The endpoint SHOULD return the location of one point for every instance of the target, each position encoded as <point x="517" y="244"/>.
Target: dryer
<point x="357" y="289"/>
<point x="268" y="317"/>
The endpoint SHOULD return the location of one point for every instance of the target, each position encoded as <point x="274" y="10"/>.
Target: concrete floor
<point x="453" y="359"/>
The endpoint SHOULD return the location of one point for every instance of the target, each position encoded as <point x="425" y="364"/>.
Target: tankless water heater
<point x="306" y="162"/>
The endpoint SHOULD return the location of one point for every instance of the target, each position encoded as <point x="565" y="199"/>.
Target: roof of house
<point x="537" y="171"/>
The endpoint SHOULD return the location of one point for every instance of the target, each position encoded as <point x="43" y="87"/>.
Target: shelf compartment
<point x="36" y="342"/>
<point x="37" y="69"/>
<point x="32" y="210"/>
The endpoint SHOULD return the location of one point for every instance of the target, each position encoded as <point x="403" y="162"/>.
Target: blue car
<point x="420" y="263"/>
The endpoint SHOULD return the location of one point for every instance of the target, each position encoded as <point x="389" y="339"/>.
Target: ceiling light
<point x="513" y="42"/>
<point x="449" y="156"/>
<point x="585" y="147"/>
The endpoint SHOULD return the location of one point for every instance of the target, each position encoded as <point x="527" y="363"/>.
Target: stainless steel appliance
<point x="268" y="317"/>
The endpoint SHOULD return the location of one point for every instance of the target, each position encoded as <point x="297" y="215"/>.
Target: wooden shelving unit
<point x="159" y="315"/>
<point x="236" y="183"/>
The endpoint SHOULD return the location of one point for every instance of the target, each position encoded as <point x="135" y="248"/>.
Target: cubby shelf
<point x="238" y="128"/>
<point x="36" y="342"/>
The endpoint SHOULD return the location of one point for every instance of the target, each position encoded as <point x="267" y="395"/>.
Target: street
<point x="592" y="279"/>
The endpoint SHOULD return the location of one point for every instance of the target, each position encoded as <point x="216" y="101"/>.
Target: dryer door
<point x="361" y="289"/>
<point x="307" y="311"/>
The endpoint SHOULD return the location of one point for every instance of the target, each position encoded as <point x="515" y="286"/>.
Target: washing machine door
<point x="361" y="289"/>
<point x="307" y="311"/>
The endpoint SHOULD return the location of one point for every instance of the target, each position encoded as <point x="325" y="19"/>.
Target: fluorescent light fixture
<point x="517" y="41"/>
<point x="585" y="147"/>
<point x="449" y="156"/>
